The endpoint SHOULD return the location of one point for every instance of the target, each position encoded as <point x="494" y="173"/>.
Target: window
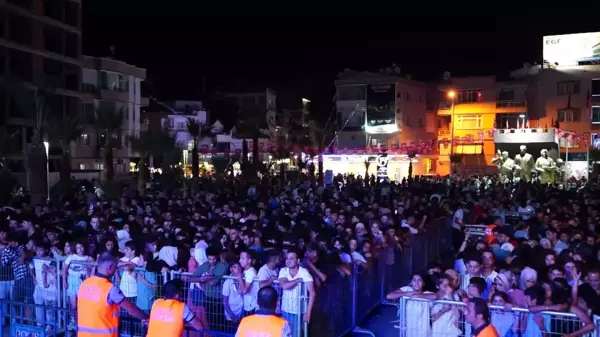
<point x="113" y="81"/>
<point x="53" y="39"/>
<point x="72" y="13"/>
<point x="351" y="93"/>
<point x="469" y="122"/>
<point x="82" y="167"/>
<point x="596" y="87"/>
<point x="72" y="45"/>
<point x="20" y="29"/>
<point x="596" y="115"/>
<point x="54" y="9"/>
<point x="408" y="96"/>
<point x="88" y="112"/>
<point x="469" y="96"/>
<point x="568" y="87"/>
<point x="569" y="115"/>
<point x="20" y="65"/>
<point x="72" y="77"/>
<point x="52" y="67"/>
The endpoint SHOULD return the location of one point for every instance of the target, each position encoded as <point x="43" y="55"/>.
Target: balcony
<point x="525" y="136"/>
<point x="511" y="106"/>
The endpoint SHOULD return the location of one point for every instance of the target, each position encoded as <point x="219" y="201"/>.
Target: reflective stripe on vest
<point x="95" y="317"/>
<point x="261" y="326"/>
<point x="166" y="318"/>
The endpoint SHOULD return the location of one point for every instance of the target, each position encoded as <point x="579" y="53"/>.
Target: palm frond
<point x="64" y="130"/>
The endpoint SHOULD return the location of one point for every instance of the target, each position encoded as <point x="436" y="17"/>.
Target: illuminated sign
<point x="381" y="104"/>
<point x="571" y="49"/>
<point x="382" y="167"/>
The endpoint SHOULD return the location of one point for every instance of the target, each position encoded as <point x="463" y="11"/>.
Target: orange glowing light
<point x="451" y="94"/>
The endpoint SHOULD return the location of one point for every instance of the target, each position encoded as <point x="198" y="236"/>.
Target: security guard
<point x="265" y="322"/>
<point x="169" y="314"/>
<point x="477" y="314"/>
<point x="98" y="302"/>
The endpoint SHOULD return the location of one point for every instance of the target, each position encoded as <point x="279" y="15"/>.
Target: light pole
<point x="47" y="146"/>
<point x="452" y="96"/>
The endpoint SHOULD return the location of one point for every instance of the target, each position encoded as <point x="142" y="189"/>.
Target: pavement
<point x="380" y="323"/>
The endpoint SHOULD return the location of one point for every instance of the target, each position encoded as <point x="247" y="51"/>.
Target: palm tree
<point x="64" y="131"/>
<point x="281" y="152"/>
<point x="107" y="122"/>
<point x="197" y="131"/>
<point x="144" y="144"/>
<point x="166" y="146"/>
<point x="33" y="103"/>
<point x="411" y="154"/>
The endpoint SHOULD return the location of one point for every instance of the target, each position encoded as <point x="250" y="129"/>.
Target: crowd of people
<point x="540" y="251"/>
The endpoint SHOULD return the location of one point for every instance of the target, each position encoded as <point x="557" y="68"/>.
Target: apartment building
<point x="385" y="109"/>
<point x="109" y="85"/>
<point x="39" y="40"/>
<point x="471" y="109"/>
<point x="537" y="107"/>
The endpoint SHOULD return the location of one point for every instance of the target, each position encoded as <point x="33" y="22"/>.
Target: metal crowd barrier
<point x="223" y="317"/>
<point x="420" y="317"/>
<point x="341" y="304"/>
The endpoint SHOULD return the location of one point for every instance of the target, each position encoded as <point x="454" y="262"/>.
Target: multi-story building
<point x="282" y="116"/>
<point x="539" y="107"/>
<point x="387" y="110"/>
<point x="39" y="40"/>
<point x="471" y="108"/>
<point x="109" y="85"/>
<point x="176" y="120"/>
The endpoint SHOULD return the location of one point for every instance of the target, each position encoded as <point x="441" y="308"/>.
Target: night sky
<point x="178" y="46"/>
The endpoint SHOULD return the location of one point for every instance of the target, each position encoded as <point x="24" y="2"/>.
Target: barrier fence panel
<point x="421" y="317"/>
<point x="21" y="322"/>
<point x="221" y="305"/>
<point x="333" y="314"/>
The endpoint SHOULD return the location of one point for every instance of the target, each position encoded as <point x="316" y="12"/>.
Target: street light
<point x="452" y="96"/>
<point x="47" y="146"/>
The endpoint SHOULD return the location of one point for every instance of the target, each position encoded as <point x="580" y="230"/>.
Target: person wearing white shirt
<point x="248" y="288"/>
<point x="291" y="278"/>
<point x="233" y="300"/>
<point x="268" y="272"/>
<point x="129" y="262"/>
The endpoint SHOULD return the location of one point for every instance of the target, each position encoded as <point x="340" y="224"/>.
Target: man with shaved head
<point x="98" y="302"/>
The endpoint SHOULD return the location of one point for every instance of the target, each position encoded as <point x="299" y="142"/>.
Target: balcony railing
<point x="508" y="104"/>
<point x="445" y="105"/>
<point x="525" y="136"/>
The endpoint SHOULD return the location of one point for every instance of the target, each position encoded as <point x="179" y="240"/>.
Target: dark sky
<point x="178" y="46"/>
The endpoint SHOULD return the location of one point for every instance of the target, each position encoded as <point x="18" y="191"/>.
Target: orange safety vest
<point x="267" y="325"/>
<point x="489" y="234"/>
<point x="95" y="317"/>
<point x="488" y="331"/>
<point x="166" y="318"/>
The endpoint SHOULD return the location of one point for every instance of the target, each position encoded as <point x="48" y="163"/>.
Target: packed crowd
<point x="541" y="253"/>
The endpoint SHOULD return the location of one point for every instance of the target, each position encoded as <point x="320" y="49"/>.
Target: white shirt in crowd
<point x="290" y="300"/>
<point x="458" y="214"/>
<point x="358" y="258"/>
<point x="50" y="294"/>
<point x="128" y="283"/>
<point x="252" y="294"/>
<point x="264" y="273"/>
<point x="38" y="267"/>
<point x="526" y="212"/>
<point x="76" y="268"/>
<point x="235" y="298"/>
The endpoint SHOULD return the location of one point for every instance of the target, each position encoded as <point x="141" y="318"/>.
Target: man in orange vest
<point x="265" y="322"/>
<point x="98" y="302"/>
<point x="477" y="314"/>
<point x="169" y="314"/>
